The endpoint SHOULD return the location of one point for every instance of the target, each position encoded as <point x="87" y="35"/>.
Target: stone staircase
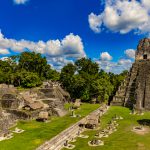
<point x="125" y="94"/>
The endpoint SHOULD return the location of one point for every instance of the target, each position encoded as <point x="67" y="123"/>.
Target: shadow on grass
<point x="145" y="122"/>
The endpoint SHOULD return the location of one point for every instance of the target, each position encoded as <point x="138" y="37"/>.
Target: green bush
<point x="31" y="80"/>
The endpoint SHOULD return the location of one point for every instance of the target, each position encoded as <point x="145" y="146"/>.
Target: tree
<point x="66" y="76"/>
<point x="2" y="77"/>
<point x="77" y="86"/>
<point x="78" y="78"/>
<point x="30" y="80"/>
<point x="52" y="75"/>
<point x="102" y="88"/>
<point x="84" y="80"/>
<point x="33" y="62"/>
<point x="28" y="69"/>
<point x="86" y="65"/>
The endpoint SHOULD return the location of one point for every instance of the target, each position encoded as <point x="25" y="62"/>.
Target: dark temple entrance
<point x="144" y="56"/>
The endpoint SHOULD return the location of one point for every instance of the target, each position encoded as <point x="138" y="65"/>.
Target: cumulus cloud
<point x="95" y="22"/>
<point x="124" y="62"/>
<point x="105" y="56"/>
<point x="70" y="46"/>
<point x="73" y="43"/>
<point x="123" y="16"/>
<point x="115" y="67"/>
<point x="130" y="53"/>
<point x="4" y="58"/>
<point x="59" y="62"/>
<point x="4" y="51"/>
<point x="58" y="52"/>
<point x="146" y="4"/>
<point x="18" y="2"/>
<point x="106" y="63"/>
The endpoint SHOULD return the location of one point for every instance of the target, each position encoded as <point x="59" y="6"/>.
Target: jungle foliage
<point x="85" y="80"/>
<point x="26" y="70"/>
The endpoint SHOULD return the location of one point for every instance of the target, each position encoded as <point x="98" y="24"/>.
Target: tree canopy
<point x="85" y="80"/>
<point x="27" y="70"/>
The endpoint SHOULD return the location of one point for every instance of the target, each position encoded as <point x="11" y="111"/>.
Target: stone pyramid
<point x="134" y="92"/>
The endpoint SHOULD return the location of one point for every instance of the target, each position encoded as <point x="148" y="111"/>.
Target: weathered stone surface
<point x="54" y="90"/>
<point x="56" y="107"/>
<point x="135" y="90"/>
<point x="143" y="49"/>
<point x="43" y="115"/>
<point x="10" y="101"/>
<point x="27" y="104"/>
<point x="6" y="121"/>
<point x="77" y="103"/>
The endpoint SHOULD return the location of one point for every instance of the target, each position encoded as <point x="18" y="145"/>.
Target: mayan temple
<point x="135" y="90"/>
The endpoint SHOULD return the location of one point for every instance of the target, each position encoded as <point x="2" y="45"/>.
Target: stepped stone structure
<point x="134" y="91"/>
<point x="30" y="103"/>
<point x="27" y="104"/>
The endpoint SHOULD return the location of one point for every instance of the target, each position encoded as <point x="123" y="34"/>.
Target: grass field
<point x="36" y="133"/>
<point x="123" y="138"/>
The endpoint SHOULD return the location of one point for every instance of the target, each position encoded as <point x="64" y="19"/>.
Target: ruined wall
<point x="58" y="141"/>
<point x="50" y="97"/>
<point x="7" y="120"/>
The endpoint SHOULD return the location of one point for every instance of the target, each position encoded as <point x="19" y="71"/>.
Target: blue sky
<point x="107" y="31"/>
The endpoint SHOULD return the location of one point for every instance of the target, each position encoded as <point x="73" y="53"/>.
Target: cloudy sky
<point x="107" y="31"/>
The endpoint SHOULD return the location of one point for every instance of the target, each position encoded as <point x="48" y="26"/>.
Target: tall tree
<point x="33" y="62"/>
<point x="84" y="80"/>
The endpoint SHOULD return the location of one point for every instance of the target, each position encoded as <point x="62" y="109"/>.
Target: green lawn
<point x="123" y="138"/>
<point x="37" y="133"/>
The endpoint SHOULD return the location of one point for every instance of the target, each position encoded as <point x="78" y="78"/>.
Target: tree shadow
<point x="145" y="122"/>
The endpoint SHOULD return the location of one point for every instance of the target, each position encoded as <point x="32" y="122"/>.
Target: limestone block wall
<point x="58" y="141"/>
<point x="7" y="120"/>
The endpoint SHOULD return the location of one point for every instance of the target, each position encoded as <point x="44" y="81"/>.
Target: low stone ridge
<point x="134" y="92"/>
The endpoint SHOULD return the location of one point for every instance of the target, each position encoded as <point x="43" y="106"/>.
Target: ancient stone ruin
<point x="134" y="92"/>
<point x="37" y="103"/>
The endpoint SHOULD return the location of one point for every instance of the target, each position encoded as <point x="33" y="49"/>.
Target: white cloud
<point x="58" y="52"/>
<point x="146" y="3"/>
<point x="124" y="62"/>
<point x="58" y="62"/>
<point x="124" y="16"/>
<point x="105" y="56"/>
<point x="4" y="58"/>
<point x="130" y="53"/>
<point x="95" y="22"/>
<point x="73" y="46"/>
<point x="4" y="51"/>
<point x="70" y="46"/>
<point x="115" y="67"/>
<point x="105" y="62"/>
<point x="18" y="2"/>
